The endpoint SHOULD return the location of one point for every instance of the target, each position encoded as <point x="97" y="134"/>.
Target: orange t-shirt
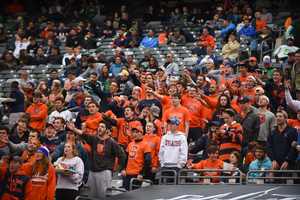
<point x="154" y="142"/>
<point x="166" y="103"/>
<point x="207" y="164"/>
<point x="38" y="114"/>
<point x="92" y="124"/>
<point x="182" y="114"/>
<point x="244" y="79"/>
<point x="123" y="125"/>
<point x="221" y="85"/>
<point x="196" y="110"/>
<point x="160" y="128"/>
<point x="251" y="95"/>
<point x="143" y="94"/>
<point x="30" y="158"/>
<point x="136" y="161"/>
<point x="295" y="124"/>
<point x="260" y="24"/>
<point x="162" y="36"/>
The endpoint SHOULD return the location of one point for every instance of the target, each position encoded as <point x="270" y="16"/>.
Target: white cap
<point x="264" y="96"/>
<point x="80" y="79"/>
<point x="252" y="77"/>
<point x="174" y="77"/>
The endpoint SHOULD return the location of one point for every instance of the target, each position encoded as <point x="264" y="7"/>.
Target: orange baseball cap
<point x="252" y="59"/>
<point x="139" y="128"/>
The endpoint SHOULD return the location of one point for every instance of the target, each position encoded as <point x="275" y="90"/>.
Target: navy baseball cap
<point x="215" y="123"/>
<point x="174" y="121"/>
<point x="111" y="75"/>
<point x="244" y="99"/>
<point x="229" y="64"/>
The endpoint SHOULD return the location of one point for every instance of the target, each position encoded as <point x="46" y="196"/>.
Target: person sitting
<point x="51" y="34"/>
<point x="56" y="90"/>
<point x="55" y="57"/>
<point x="267" y="45"/>
<point x="232" y="16"/>
<point x="230" y="47"/>
<point x="226" y="27"/>
<point x="39" y="58"/>
<point x="78" y="100"/>
<point x="209" y="55"/>
<point x="90" y="42"/>
<point x="45" y="100"/>
<point x="163" y="37"/>
<point x="150" y="41"/>
<point x="176" y="39"/>
<point x="194" y="16"/>
<point x="247" y="32"/>
<point x="133" y="40"/>
<point x="258" y="23"/>
<point x="74" y="40"/>
<point x="207" y="40"/>
<point x="266" y="16"/>
<point x="175" y="16"/>
<point x="108" y="31"/>
<point x="32" y="47"/>
<point x="283" y="50"/>
<point x="62" y="32"/>
<point x="200" y="49"/>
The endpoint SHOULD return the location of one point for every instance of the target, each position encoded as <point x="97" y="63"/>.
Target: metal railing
<point x="237" y="51"/>
<point x="206" y="179"/>
<point x="112" y="189"/>
<point x="167" y="177"/>
<point x="143" y="181"/>
<point x="289" y="180"/>
<point x="87" y="198"/>
<point x="264" y="52"/>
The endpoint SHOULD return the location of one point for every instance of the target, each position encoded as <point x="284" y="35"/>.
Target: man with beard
<point x="74" y="40"/>
<point x="119" y="111"/>
<point x="108" y="31"/>
<point x="282" y="52"/>
<point x="29" y="90"/>
<point x="104" y="151"/>
<point x="29" y="155"/>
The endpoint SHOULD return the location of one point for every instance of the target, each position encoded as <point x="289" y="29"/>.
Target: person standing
<point x="173" y="149"/>
<point x="104" y="151"/>
<point x="16" y="107"/>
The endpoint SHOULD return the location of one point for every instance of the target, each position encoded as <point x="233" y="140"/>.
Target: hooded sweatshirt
<point x="256" y="165"/>
<point x="38" y="114"/>
<point x="218" y="114"/>
<point x="15" y="186"/>
<point x="43" y="187"/>
<point x="173" y="150"/>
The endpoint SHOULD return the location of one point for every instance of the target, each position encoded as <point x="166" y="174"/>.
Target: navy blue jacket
<point x="61" y="135"/>
<point x="107" y="32"/>
<point x="18" y="105"/>
<point x="39" y="60"/>
<point x="153" y="102"/>
<point x="106" y="98"/>
<point x="279" y="145"/>
<point x="73" y="103"/>
<point x="188" y="36"/>
<point x="76" y="69"/>
<point x="81" y="117"/>
<point x="129" y="39"/>
<point x="199" y="51"/>
<point x="83" y="154"/>
<point x="52" y="144"/>
<point x="119" y="111"/>
<point x="218" y="114"/>
<point x="201" y="144"/>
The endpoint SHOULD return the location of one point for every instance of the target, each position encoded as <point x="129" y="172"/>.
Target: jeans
<point x="233" y="60"/>
<point x="245" y="151"/>
<point x="254" y="43"/>
<point x="171" y="180"/>
<point x="126" y="182"/>
<point x="248" y="38"/>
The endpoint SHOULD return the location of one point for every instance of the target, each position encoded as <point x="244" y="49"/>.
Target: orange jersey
<point x="244" y="79"/>
<point x="154" y="142"/>
<point x="182" y="114"/>
<point x="43" y="187"/>
<point x="295" y="124"/>
<point x="124" y="125"/>
<point x="230" y="141"/>
<point x="221" y="84"/>
<point x="196" y="110"/>
<point x="212" y="101"/>
<point x="251" y="95"/>
<point x="92" y="124"/>
<point x="28" y="158"/>
<point x="136" y="160"/>
<point x="159" y="128"/>
<point x="207" y="164"/>
<point x="166" y="103"/>
<point x="38" y="114"/>
<point x="208" y="41"/>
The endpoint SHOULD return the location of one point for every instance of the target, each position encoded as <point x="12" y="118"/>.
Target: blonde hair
<point x="75" y="153"/>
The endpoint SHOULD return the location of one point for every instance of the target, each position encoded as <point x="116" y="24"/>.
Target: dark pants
<point x="244" y="152"/>
<point x="171" y="180"/>
<point x="264" y="143"/>
<point x="194" y="134"/>
<point x="126" y="182"/>
<point x="66" y="194"/>
<point x="149" y="175"/>
<point x="286" y="174"/>
<point x="298" y="174"/>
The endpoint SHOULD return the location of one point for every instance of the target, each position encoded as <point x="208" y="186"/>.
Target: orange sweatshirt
<point x="92" y="124"/>
<point x="29" y="159"/>
<point x="43" y="187"/>
<point x="154" y="142"/>
<point x="38" y="114"/>
<point x="207" y="164"/>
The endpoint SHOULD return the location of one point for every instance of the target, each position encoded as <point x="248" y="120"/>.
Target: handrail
<point x="280" y="29"/>
<point x="261" y="49"/>
<point x="266" y="177"/>
<point x="173" y="177"/>
<point x="237" y="51"/>
<point x="81" y="197"/>
<point x="135" y="179"/>
<point x="240" y="177"/>
<point x="111" y="188"/>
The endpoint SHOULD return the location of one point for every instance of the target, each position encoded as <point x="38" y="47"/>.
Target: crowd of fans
<point x="137" y="117"/>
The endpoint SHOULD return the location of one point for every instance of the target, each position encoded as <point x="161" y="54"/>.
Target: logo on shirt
<point x="100" y="149"/>
<point x="262" y="118"/>
<point x="133" y="151"/>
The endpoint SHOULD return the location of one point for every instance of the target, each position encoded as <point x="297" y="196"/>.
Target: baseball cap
<point x="133" y="22"/>
<point x="139" y="88"/>
<point x="291" y="38"/>
<point x="45" y="79"/>
<point x="267" y="59"/>
<point x="85" y="52"/>
<point x="237" y="80"/>
<point x="31" y="83"/>
<point x="176" y="29"/>
<point x="101" y="54"/>
<point x="291" y="53"/>
<point x="229" y="64"/>
<point x="134" y="29"/>
<point x="161" y="68"/>
<point x="174" y="121"/>
<point x="283" y="112"/>
<point x="50" y="124"/>
<point x="252" y="77"/>
<point x="207" y="22"/>
<point x="146" y="52"/>
<point x="124" y="25"/>
<point x="219" y="8"/>
<point x="155" y="110"/>
<point x="192" y="69"/>
<point x="80" y="79"/>
<point x="98" y="50"/>
<point x="252" y="59"/>
<point x="244" y="99"/>
<point x="198" y="39"/>
<point x="241" y="12"/>
<point x="207" y="79"/>
<point x="132" y="97"/>
<point x="17" y="158"/>
<point x="174" y="77"/>
<point x="80" y="89"/>
<point x="167" y="28"/>
<point x="258" y="70"/>
<point x="298" y="89"/>
<point x="9" y="17"/>
<point x="111" y="75"/>
<point x="75" y="81"/>
<point x="242" y="64"/>
<point x="216" y="123"/>
<point x="91" y="60"/>
<point x="37" y="94"/>
<point x="124" y="73"/>
<point x="259" y="90"/>
<point x="139" y="128"/>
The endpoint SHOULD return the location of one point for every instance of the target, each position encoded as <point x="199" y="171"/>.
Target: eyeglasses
<point x="168" y="56"/>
